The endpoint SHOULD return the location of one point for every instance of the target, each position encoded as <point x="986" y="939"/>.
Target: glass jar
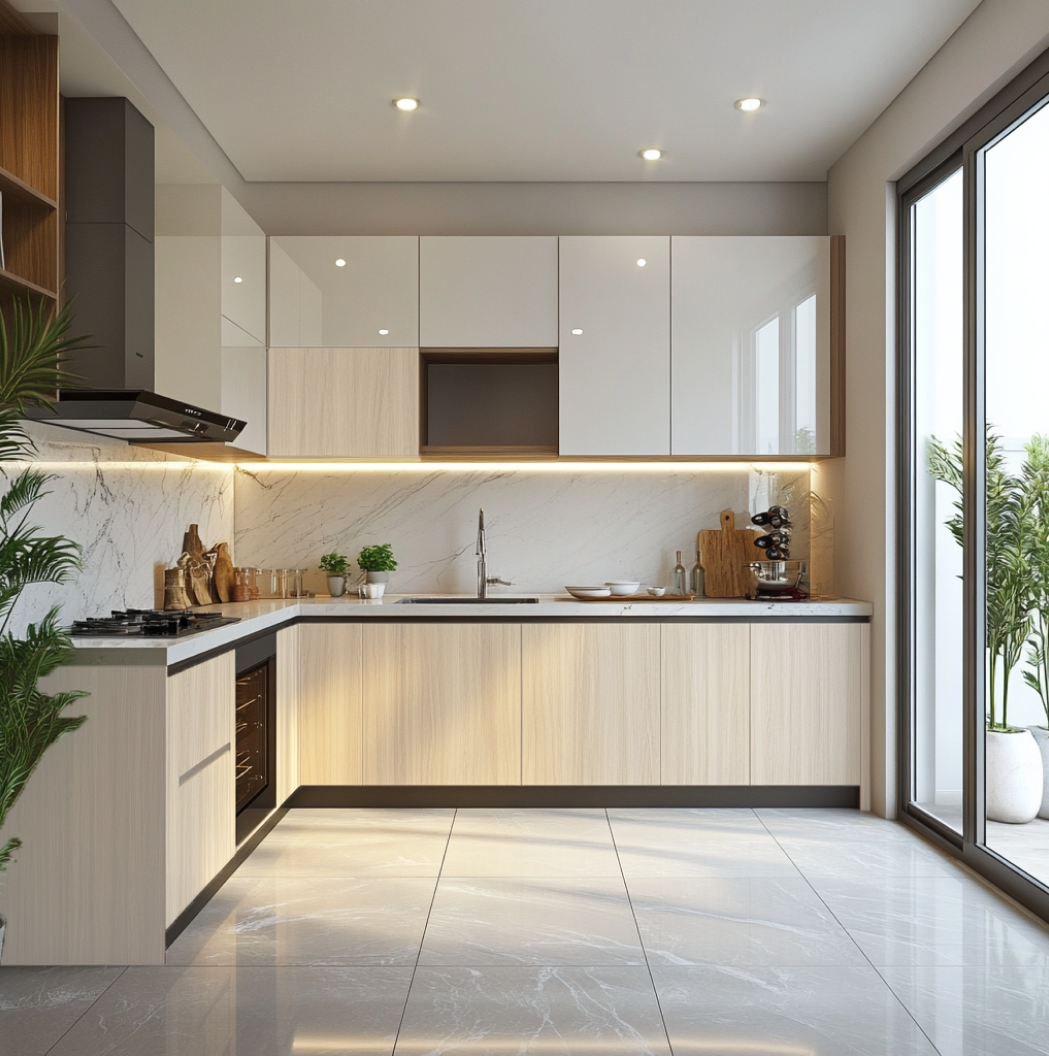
<point x="242" y="583"/>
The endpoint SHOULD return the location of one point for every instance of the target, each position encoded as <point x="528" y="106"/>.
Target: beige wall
<point x="995" y="43"/>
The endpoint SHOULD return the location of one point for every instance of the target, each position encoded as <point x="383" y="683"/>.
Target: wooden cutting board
<point x="723" y="555"/>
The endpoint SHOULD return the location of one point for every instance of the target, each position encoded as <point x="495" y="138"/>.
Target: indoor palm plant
<point x="1013" y="765"/>
<point x="33" y="344"/>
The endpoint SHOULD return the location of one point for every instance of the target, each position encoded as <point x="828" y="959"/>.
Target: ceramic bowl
<point x="657" y="592"/>
<point x="588" y="592"/>
<point x="621" y="587"/>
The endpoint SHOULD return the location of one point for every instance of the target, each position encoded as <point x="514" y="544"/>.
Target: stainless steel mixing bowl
<point x="772" y="577"/>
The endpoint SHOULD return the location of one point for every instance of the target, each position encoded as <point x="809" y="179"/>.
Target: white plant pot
<point x="377" y="577"/>
<point x="336" y="586"/>
<point x="1041" y="738"/>
<point x="1013" y="777"/>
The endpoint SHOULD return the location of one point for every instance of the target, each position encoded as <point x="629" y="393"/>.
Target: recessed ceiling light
<point x="340" y="263"/>
<point x="651" y="154"/>
<point x="238" y="279"/>
<point x="406" y="103"/>
<point x="752" y="102"/>
<point x="577" y="332"/>
<point x="641" y="262"/>
<point x="384" y="332"/>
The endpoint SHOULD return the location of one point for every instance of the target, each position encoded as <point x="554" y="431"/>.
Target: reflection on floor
<point x="794" y="932"/>
<point x="1026" y="846"/>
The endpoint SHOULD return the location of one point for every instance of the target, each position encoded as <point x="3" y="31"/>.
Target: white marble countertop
<point x="269" y="614"/>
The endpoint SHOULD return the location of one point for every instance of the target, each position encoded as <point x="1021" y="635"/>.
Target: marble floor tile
<point x="497" y="842"/>
<point x="353" y="843"/>
<point x="740" y="921"/>
<point x="867" y="860"/>
<point x="38" y="1005"/>
<point x="531" y="920"/>
<point x="702" y="854"/>
<point x="252" y="1011"/>
<point x="785" y="1011"/>
<point x="673" y="824"/>
<point x="978" y="1010"/>
<point x="832" y="822"/>
<point x="271" y="921"/>
<point x="934" y="921"/>
<point x="494" y="1011"/>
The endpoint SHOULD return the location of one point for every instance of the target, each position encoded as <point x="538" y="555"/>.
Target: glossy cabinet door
<point x="200" y="781"/>
<point x="369" y="299"/>
<point x="614" y="345"/>
<point x="809" y="687"/>
<point x="751" y="345"/>
<point x="344" y="403"/>
<point x="330" y="703"/>
<point x="442" y="704"/>
<point x="705" y="719"/>
<point x="590" y="704"/>
<point x="488" y="292"/>
<point x="243" y="275"/>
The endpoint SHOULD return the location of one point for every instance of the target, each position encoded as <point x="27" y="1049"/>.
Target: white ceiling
<point x="544" y="90"/>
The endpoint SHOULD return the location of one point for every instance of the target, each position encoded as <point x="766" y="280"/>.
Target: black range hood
<point x="136" y="414"/>
<point x="110" y="203"/>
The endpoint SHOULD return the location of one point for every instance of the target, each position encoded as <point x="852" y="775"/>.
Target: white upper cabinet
<point x="614" y="345"/>
<point x="243" y="275"/>
<point x="751" y="345"/>
<point x="344" y="291"/>
<point x="488" y="292"/>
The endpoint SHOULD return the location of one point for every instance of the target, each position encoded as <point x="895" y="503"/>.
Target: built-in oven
<point x="256" y="724"/>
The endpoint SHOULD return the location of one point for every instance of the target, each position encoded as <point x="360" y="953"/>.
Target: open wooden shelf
<point x="12" y="283"/>
<point x="15" y="190"/>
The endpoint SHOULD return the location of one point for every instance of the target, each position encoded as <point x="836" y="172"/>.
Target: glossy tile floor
<point x="713" y="932"/>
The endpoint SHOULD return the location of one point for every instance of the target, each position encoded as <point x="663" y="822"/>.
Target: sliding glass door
<point x="974" y="497"/>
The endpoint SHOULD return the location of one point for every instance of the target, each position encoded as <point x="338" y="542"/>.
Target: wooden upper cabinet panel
<point x="200" y="708"/>
<point x="705" y="725"/>
<point x="330" y="704"/>
<point x="370" y="300"/>
<point x="488" y="292"/>
<point x="29" y="111"/>
<point x="590" y="707"/>
<point x="807" y="690"/>
<point x="751" y="345"/>
<point x="442" y="704"/>
<point x="344" y="403"/>
<point x="615" y="374"/>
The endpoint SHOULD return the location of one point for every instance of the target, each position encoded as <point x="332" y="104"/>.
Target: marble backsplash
<point x="547" y="525"/>
<point x="127" y="507"/>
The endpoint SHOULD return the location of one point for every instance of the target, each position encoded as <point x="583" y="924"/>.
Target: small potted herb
<point x="377" y="562"/>
<point x="336" y="566"/>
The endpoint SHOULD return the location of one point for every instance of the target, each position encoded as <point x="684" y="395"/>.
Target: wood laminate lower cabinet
<point x="590" y="704"/>
<point x="442" y="704"/>
<point x="705" y="719"/>
<point x="288" y="668"/>
<point x="200" y="782"/>
<point x="330" y="717"/>
<point x="808" y="687"/>
<point x="358" y="403"/>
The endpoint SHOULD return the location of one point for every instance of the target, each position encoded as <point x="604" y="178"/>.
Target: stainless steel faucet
<point x="483" y="579"/>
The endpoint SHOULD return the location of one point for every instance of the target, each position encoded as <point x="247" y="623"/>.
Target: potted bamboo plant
<point x="1012" y="761"/>
<point x="33" y="344"/>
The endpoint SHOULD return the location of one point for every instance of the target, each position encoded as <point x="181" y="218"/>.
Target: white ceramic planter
<point x="377" y="577"/>
<point x="1014" y="777"/>
<point x="1041" y="738"/>
<point x="336" y="586"/>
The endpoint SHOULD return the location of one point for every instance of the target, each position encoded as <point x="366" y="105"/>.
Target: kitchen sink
<point x="468" y="601"/>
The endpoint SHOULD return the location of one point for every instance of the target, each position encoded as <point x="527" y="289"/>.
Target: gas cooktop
<point x="150" y="623"/>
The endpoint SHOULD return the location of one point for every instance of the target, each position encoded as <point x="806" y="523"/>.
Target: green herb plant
<point x="377" y="558"/>
<point x="33" y="346"/>
<point x="335" y="564"/>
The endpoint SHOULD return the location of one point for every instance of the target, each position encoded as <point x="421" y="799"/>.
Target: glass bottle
<point x="697" y="578"/>
<point x="680" y="578"/>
